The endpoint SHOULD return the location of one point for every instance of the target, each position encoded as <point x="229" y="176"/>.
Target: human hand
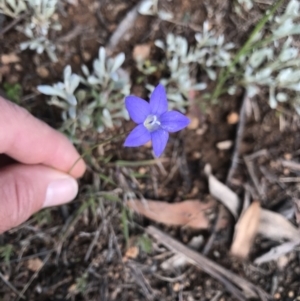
<point x="38" y="177"/>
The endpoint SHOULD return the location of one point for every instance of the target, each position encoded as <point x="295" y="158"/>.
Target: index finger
<point x="31" y="141"/>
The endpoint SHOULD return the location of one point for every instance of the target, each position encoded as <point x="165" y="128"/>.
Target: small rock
<point x="277" y="296"/>
<point x="196" y="242"/>
<point x="55" y="17"/>
<point x="148" y="144"/>
<point x="18" y="67"/>
<point x="291" y="294"/>
<point x="72" y="289"/>
<point x="282" y="262"/>
<point x="9" y="58"/>
<point x="142" y="170"/>
<point x="194" y="124"/>
<point x="86" y="56"/>
<point x="132" y="252"/>
<point x="141" y="52"/>
<point x="201" y="131"/>
<point x="196" y="155"/>
<point x="288" y="156"/>
<point x="34" y="264"/>
<point x="233" y="118"/>
<point x="224" y="145"/>
<point x="177" y="287"/>
<point x="39" y="289"/>
<point x="42" y="71"/>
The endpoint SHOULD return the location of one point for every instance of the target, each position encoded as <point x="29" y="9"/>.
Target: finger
<point x="5" y="160"/>
<point x="25" y="189"/>
<point x="31" y="141"/>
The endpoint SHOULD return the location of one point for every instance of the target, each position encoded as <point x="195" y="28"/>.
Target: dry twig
<point x="13" y="23"/>
<point x="239" y="287"/>
<point x="290" y="165"/>
<point x="124" y="26"/>
<point x="222" y="212"/>
<point x="20" y="295"/>
<point x="238" y="139"/>
<point x="249" y="164"/>
<point x="35" y="275"/>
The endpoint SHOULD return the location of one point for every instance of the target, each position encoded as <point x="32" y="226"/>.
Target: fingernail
<point x="61" y="191"/>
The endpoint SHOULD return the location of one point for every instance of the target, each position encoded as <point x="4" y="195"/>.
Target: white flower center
<point x="152" y="123"/>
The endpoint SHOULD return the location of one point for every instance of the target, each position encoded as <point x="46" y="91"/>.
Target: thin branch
<point x="238" y="139"/>
<point x="21" y="296"/>
<point x="35" y="275"/>
<point x="236" y="285"/>
<point x="12" y="24"/>
<point x="124" y="26"/>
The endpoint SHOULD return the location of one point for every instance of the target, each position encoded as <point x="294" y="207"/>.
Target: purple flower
<point x="154" y="120"/>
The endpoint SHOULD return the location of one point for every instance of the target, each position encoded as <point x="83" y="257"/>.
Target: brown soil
<point x="101" y="272"/>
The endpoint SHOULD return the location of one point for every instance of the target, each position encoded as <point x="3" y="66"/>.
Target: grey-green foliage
<point x="37" y="23"/>
<point x="150" y="7"/>
<point x="183" y="62"/>
<point x="37" y="27"/>
<point x="246" y="4"/>
<point x="211" y="51"/>
<point x="275" y="64"/>
<point x="12" y="8"/>
<point x="99" y="102"/>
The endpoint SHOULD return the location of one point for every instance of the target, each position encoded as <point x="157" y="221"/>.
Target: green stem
<point x="95" y="146"/>
<point x="244" y="50"/>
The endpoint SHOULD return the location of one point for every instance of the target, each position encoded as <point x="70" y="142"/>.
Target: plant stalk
<point x="94" y="147"/>
<point x="244" y="50"/>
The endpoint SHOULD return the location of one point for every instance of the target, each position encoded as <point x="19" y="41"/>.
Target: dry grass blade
<point x="291" y="165"/>
<point x="3" y="278"/>
<point x="239" y="287"/>
<point x="252" y="173"/>
<point x="238" y="138"/>
<point x="274" y="226"/>
<point x="137" y="274"/>
<point x="221" y="192"/>
<point x="178" y="260"/>
<point x="72" y="34"/>
<point x="34" y="276"/>
<point x="12" y="24"/>
<point x="277" y="252"/>
<point x="191" y="213"/>
<point x="245" y="231"/>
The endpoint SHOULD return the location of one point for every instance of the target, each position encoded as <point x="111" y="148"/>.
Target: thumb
<point x="25" y="189"/>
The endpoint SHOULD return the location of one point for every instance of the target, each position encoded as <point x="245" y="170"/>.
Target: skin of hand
<point x="34" y="164"/>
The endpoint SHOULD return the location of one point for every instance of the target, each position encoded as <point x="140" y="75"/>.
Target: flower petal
<point x="138" y="136"/>
<point x="159" y="141"/>
<point x="173" y="121"/>
<point x="158" y="101"/>
<point x="137" y="108"/>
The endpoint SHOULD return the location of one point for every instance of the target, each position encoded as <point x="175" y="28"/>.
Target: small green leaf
<point x="145" y="243"/>
<point x="6" y="252"/>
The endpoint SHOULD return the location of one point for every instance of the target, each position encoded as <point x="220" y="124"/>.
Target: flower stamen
<point x="152" y="123"/>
